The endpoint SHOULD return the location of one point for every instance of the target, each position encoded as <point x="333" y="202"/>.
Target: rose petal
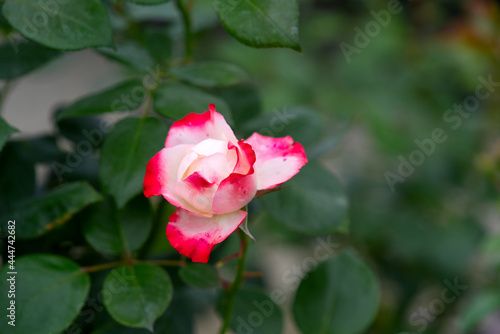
<point x="195" y="237"/>
<point x="162" y="169"/>
<point x="194" y="128"/>
<point x="210" y="146"/>
<point x="198" y="193"/>
<point x="234" y="192"/>
<point x="246" y="157"/>
<point x="278" y="159"/>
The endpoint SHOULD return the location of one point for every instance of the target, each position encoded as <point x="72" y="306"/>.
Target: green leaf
<point x="124" y="96"/>
<point x="37" y="149"/>
<point x="481" y="306"/>
<point x="339" y="297"/>
<point x="177" y="319"/>
<point x="261" y="23"/>
<point x="301" y="123"/>
<point x="141" y="293"/>
<point x="199" y="275"/>
<point x="37" y="216"/>
<point x="23" y="58"/>
<point x="254" y="312"/>
<point x="158" y="42"/>
<point x="243" y="100"/>
<point x="210" y="74"/>
<point x="85" y="128"/>
<point x="49" y="293"/>
<point x="313" y="202"/>
<point x="131" y="54"/>
<point x="17" y="177"/>
<point x="113" y="231"/>
<point x="175" y="100"/>
<point x="125" y="154"/>
<point x="5" y="131"/>
<point x="73" y="25"/>
<point x="147" y="2"/>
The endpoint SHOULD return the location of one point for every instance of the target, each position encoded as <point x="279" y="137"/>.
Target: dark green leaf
<point x="124" y="96"/>
<point x="23" y="57"/>
<point x="243" y="100"/>
<point x="339" y="297"/>
<point x="37" y="149"/>
<point x="261" y="23"/>
<point x="177" y="319"/>
<point x="141" y="293"/>
<point x="158" y="43"/>
<point x="71" y="25"/>
<point x="113" y="231"/>
<point x="254" y="312"/>
<point x="17" y="178"/>
<point x="49" y="293"/>
<point x="210" y="74"/>
<point x="39" y="215"/>
<point x="125" y="154"/>
<point x="199" y="275"/>
<point x="301" y="123"/>
<point x="175" y="100"/>
<point x="5" y="131"/>
<point x="131" y="54"/>
<point x="5" y="27"/>
<point x="313" y="202"/>
<point x="90" y="129"/>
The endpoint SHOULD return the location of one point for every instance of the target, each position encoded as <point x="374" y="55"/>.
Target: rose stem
<point x="231" y="294"/>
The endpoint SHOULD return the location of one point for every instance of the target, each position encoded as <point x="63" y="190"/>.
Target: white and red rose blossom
<point x="210" y="175"/>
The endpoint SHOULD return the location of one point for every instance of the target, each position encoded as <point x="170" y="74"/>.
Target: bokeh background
<point x="358" y="115"/>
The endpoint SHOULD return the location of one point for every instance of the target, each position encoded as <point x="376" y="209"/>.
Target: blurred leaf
<point x="261" y="23"/>
<point x="481" y="306"/>
<point x="91" y="129"/>
<point x="210" y="74"/>
<point x="37" y="216"/>
<point x="340" y="296"/>
<point x="312" y="203"/>
<point x="301" y="123"/>
<point x="124" y="96"/>
<point x="243" y="100"/>
<point x="113" y="231"/>
<point x="147" y="2"/>
<point x="175" y="100"/>
<point x="23" y="58"/>
<point x="125" y="154"/>
<point x="254" y="312"/>
<point x="142" y="295"/>
<point x="334" y="136"/>
<point x="38" y="149"/>
<point x="49" y="293"/>
<point x="75" y="26"/>
<point x="129" y="53"/>
<point x="177" y="319"/>
<point x="199" y="275"/>
<point x="5" y="27"/>
<point x="17" y="178"/>
<point x="5" y="131"/>
<point x="158" y="43"/>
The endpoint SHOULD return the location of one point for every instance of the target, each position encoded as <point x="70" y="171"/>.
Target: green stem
<point x="231" y="294"/>
<point x="147" y="105"/>
<point x="168" y="263"/>
<point x="103" y="266"/>
<point x="188" y="32"/>
<point x="3" y="94"/>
